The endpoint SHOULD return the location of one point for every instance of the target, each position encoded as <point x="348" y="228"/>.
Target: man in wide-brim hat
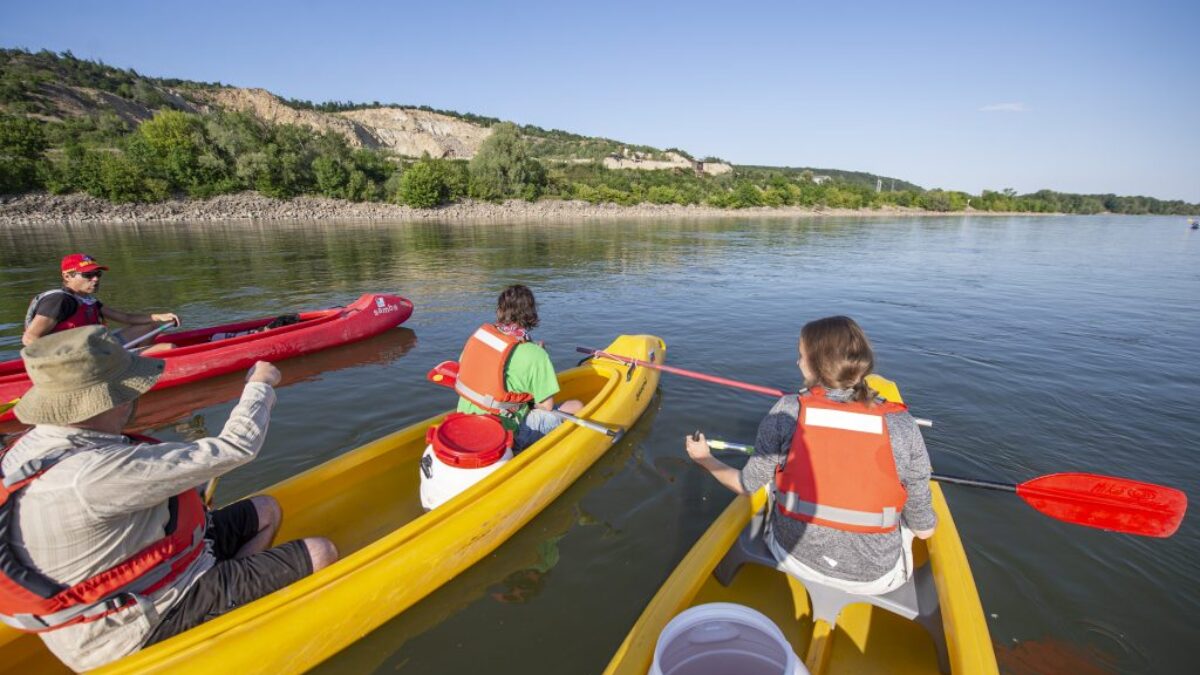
<point x="105" y="545"/>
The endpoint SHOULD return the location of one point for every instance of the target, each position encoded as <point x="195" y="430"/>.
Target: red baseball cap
<point x="80" y="262"/>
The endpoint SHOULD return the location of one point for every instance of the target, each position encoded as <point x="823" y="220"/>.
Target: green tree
<point x="745" y="195"/>
<point x="503" y="168"/>
<point x="331" y="176"/>
<point x="21" y="146"/>
<point x="174" y="146"/>
<point x="935" y="200"/>
<point x="124" y="179"/>
<point x="423" y="186"/>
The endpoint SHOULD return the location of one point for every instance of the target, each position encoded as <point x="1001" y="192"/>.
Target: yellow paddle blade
<point x="885" y="387"/>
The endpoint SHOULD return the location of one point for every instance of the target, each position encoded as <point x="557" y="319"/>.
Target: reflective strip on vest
<point x="490" y="340"/>
<point x="483" y="400"/>
<point x="888" y="518"/>
<point x="34" y="623"/>
<point x="120" y="598"/>
<point x="843" y="419"/>
<point x="114" y="601"/>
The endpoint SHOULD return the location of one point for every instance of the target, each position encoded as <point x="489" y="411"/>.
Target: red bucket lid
<point x="469" y="441"/>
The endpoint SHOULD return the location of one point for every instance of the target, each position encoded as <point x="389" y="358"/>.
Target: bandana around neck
<point x="513" y="330"/>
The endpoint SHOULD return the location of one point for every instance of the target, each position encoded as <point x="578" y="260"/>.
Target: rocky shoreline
<point x="46" y="209"/>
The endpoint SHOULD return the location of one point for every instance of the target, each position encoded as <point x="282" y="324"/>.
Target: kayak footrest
<point x="916" y="600"/>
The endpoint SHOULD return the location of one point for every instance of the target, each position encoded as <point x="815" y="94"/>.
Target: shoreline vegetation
<point x="48" y="209"/>
<point x="101" y="140"/>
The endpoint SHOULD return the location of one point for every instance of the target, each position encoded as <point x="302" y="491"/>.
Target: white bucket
<point x="723" y="638"/>
<point x="444" y="481"/>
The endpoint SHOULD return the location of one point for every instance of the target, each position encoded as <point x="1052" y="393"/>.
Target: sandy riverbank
<point x="45" y="209"/>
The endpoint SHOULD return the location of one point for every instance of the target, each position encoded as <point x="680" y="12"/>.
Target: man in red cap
<point x="75" y="305"/>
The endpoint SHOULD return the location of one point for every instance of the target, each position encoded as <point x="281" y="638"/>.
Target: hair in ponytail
<point x="839" y="356"/>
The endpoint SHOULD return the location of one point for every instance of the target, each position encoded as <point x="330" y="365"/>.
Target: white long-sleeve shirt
<point x="99" y="506"/>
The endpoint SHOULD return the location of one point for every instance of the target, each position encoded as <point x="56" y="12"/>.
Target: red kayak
<point x="198" y="356"/>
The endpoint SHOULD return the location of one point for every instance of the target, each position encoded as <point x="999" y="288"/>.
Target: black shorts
<point x="232" y="583"/>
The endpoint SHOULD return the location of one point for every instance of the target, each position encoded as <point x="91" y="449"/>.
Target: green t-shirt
<point x="528" y="371"/>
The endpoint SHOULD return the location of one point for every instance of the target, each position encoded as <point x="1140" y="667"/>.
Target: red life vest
<point x="840" y="471"/>
<point x="32" y="602"/>
<point x="481" y="371"/>
<point x="85" y="314"/>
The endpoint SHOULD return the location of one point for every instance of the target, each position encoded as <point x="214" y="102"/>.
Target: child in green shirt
<point x="528" y="370"/>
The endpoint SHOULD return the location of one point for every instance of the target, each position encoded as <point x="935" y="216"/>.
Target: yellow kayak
<point x="865" y="638"/>
<point x="394" y="554"/>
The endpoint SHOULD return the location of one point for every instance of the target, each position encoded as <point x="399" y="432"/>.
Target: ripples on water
<point x="1037" y="345"/>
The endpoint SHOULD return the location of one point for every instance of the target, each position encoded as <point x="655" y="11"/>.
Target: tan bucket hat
<point x="80" y="373"/>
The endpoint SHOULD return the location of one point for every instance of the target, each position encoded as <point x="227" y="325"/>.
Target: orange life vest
<point x="85" y="314"/>
<point x="481" y="371"/>
<point x="32" y="602"/>
<point x="840" y="471"/>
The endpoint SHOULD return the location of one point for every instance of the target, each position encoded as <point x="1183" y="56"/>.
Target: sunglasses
<point x="94" y="274"/>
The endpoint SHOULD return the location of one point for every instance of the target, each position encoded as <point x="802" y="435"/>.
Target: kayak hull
<point x="196" y="358"/>
<point x="394" y="554"/>
<point x="866" y="639"/>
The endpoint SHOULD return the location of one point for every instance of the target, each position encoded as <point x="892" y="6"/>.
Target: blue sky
<point x="1078" y="97"/>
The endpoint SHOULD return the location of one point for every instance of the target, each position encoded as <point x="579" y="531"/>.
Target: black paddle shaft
<point x="985" y="484"/>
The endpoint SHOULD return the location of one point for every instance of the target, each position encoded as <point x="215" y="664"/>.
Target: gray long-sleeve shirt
<point x="851" y="556"/>
<point x="106" y="502"/>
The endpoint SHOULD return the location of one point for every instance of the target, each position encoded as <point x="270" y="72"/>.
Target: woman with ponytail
<point x="849" y="470"/>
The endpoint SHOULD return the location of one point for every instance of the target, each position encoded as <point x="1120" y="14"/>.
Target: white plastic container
<point x="447" y="481"/>
<point x="461" y="451"/>
<point x="723" y="638"/>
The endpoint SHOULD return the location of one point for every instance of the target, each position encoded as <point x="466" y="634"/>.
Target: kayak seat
<point x="916" y="600"/>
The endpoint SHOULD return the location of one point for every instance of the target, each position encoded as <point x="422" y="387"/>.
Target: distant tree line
<point x="182" y="154"/>
<point x="178" y="153"/>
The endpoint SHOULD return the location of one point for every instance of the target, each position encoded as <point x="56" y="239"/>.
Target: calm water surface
<point x="1037" y="345"/>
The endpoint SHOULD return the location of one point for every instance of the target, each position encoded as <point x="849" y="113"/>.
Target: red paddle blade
<point x="444" y="373"/>
<point x="1107" y="503"/>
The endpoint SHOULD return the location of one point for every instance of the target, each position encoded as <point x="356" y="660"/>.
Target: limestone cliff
<point x="412" y="132"/>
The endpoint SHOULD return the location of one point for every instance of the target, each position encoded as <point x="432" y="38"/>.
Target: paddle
<point x="137" y="341"/>
<point x="1087" y="499"/>
<point x="769" y="391"/>
<point x="210" y="490"/>
<point x="446" y="374"/>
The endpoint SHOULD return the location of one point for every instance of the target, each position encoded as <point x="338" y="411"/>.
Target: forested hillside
<point x="72" y="125"/>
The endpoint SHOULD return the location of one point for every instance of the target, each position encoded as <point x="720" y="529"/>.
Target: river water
<point x="1036" y="344"/>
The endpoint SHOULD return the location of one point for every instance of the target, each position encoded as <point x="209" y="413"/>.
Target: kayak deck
<point x="393" y="553"/>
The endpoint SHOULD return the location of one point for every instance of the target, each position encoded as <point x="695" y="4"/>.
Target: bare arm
<point x="546" y="404"/>
<point x="127" y="318"/>
<point x="726" y="475"/>
<point x="39" y="326"/>
<point x="132" y="319"/>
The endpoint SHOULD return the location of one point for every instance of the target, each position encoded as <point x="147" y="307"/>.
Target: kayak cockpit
<point x="242" y="331"/>
<point x="358" y="498"/>
<point x="865" y="639"/>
